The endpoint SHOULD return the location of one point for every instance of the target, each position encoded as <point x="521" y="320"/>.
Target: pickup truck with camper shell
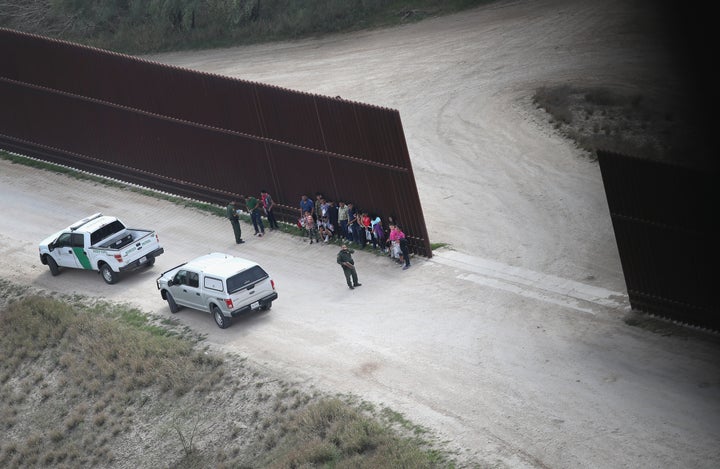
<point x="220" y="284"/>
<point x="101" y="243"/>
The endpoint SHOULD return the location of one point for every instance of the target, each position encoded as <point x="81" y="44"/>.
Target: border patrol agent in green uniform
<point x="344" y="258"/>
<point x="234" y="218"/>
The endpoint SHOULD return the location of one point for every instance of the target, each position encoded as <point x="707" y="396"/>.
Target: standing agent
<point x="344" y="258"/>
<point x="253" y="206"/>
<point x="268" y="204"/>
<point x="232" y="214"/>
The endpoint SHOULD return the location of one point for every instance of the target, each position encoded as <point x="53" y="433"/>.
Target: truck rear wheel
<point x="108" y="274"/>
<point x="221" y="320"/>
<point x="54" y="269"/>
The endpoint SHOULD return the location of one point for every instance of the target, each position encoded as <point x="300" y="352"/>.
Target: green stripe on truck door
<point x="82" y="257"/>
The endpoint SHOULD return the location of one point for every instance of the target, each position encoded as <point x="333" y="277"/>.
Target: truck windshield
<point x="106" y="231"/>
<point x="245" y="278"/>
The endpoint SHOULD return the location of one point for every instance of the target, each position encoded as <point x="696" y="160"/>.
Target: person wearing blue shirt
<point x="306" y="205"/>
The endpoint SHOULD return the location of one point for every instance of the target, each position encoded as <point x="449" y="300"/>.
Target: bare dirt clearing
<point x="511" y="345"/>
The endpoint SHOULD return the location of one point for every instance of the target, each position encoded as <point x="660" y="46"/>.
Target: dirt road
<point x="511" y="345"/>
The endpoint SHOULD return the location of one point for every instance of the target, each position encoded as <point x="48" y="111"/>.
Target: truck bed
<point x="123" y="239"/>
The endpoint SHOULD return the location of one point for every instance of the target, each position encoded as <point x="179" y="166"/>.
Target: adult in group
<point x="306" y="205"/>
<point x="332" y="216"/>
<point x="342" y="220"/>
<point x="353" y="224"/>
<point x="378" y="234"/>
<point x="365" y="229"/>
<point x="397" y="236"/>
<point x="344" y="258"/>
<point x="394" y="243"/>
<point x="253" y="206"/>
<point x="232" y="214"/>
<point x="268" y="205"/>
<point x="319" y="203"/>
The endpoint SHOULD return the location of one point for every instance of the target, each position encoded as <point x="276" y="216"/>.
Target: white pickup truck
<point x="220" y="284"/>
<point x="101" y="243"/>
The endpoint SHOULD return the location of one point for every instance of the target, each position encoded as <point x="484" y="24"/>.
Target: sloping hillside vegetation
<point x="84" y="383"/>
<point x="142" y="26"/>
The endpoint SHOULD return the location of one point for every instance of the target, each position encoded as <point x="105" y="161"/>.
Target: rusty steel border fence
<point x="200" y="135"/>
<point x="665" y="222"/>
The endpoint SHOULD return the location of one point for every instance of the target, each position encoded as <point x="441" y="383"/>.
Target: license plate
<point x="255" y="305"/>
<point x="143" y="259"/>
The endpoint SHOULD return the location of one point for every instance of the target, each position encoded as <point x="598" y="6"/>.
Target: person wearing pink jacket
<point x="397" y="237"/>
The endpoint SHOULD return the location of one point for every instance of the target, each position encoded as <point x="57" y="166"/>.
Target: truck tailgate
<point x="140" y="247"/>
<point x="248" y="296"/>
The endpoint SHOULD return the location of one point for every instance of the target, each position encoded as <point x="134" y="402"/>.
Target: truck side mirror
<point x="170" y="283"/>
<point x="51" y="246"/>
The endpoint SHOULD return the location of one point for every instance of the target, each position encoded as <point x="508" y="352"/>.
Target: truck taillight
<point x="157" y="238"/>
<point x="272" y="282"/>
<point x="229" y="303"/>
<point x="118" y="257"/>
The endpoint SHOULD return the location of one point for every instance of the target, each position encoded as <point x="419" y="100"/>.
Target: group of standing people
<point x="256" y="208"/>
<point x="324" y="221"/>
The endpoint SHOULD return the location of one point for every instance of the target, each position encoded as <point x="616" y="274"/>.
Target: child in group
<point x="310" y="228"/>
<point x="325" y="229"/>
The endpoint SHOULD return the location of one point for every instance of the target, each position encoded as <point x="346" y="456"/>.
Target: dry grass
<point x="634" y="124"/>
<point x="86" y="383"/>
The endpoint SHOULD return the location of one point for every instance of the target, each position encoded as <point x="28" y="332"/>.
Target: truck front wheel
<point x="108" y="274"/>
<point x="221" y="320"/>
<point x="174" y="308"/>
<point x="54" y="269"/>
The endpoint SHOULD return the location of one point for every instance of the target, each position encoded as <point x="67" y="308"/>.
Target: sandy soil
<point x="511" y="344"/>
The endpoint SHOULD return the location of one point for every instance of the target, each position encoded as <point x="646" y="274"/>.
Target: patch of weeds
<point x="236" y="431"/>
<point x="633" y="124"/>
<point x="139" y="320"/>
<point x="271" y="440"/>
<point x="100" y="419"/>
<point x="56" y="436"/>
<point x="601" y="97"/>
<point x="72" y="422"/>
<point x="297" y="402"/>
